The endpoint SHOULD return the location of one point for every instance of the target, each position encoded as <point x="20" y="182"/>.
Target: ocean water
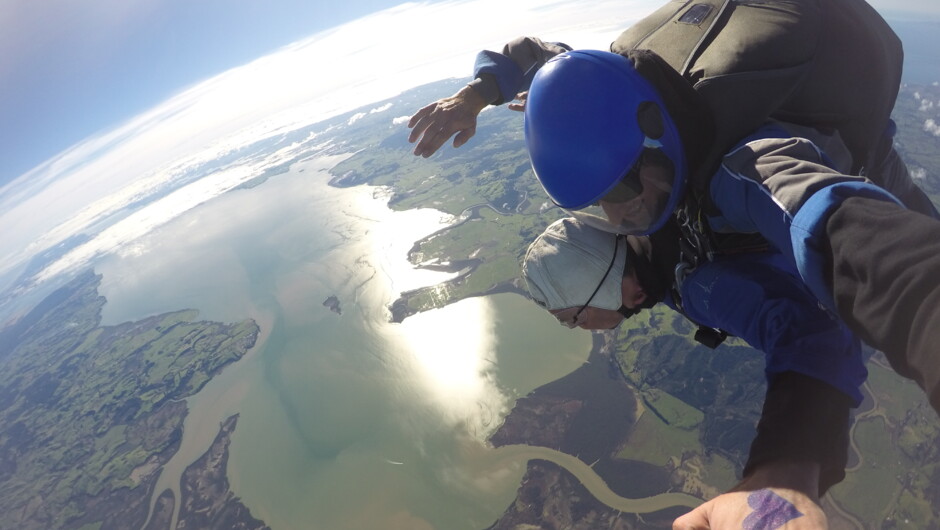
<point x="346" y="421"/>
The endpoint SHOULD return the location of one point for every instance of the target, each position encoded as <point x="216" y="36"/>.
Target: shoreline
<point x="606" y="406"/>
<point x="581" y="419"/>
<point x="400" y="308"/>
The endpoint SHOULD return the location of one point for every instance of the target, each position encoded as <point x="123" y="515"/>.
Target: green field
<point x="654" y="441"/>
<point x="88" y="413"/>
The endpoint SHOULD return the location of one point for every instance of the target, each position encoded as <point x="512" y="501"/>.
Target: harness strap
<point x="695" y="247"/>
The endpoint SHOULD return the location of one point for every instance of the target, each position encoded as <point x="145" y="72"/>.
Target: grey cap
<point x="564" y="264"/>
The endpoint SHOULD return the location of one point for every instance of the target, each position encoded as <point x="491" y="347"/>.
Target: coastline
<point x="401" y="308"/>
<point x="605" y="409"/>
<point x="587" y="415"/>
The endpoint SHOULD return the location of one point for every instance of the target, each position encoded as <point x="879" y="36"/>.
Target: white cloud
<point x="401" y="120"/>
<point x="383" y="108"/>
<point x="926" y="105"/>
<point x="356" y="117"/>
<point x="86" y="184"/>
<point x="932" y="127"/>
<point x="918" y="173"/>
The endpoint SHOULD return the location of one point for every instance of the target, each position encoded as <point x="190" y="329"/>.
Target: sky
<point x="103" y="102"/>
<point x="148" y="154"/>
<point x="70" y="68"/>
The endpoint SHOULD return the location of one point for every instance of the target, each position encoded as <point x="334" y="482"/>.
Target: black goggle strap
<point x="626" y="312"/>
<point x="604" y="278"/>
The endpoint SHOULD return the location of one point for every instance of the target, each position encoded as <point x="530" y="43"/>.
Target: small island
<point x="332" y="302"/>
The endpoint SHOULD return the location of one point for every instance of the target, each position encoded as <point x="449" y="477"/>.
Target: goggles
<point x="630" y="187"/>
<point x="637" y="200"/>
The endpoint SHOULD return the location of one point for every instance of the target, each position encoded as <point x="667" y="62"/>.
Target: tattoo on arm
<point x="771" y="511"/>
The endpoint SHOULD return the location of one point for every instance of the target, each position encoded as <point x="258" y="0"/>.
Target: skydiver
<point x="622" y="141"/>
<point x="593" y="279"/>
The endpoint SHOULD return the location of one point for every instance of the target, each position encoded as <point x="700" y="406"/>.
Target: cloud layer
<point x="84" y="188"/>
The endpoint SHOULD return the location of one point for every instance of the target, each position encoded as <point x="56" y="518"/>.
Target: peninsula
<point x="120" y="390"/>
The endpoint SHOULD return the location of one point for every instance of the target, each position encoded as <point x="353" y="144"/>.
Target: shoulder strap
<point x="677" y="34"/>
<point x="695" y="248"/>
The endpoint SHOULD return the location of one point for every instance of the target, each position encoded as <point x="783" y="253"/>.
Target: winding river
<point x="350" y="421"/>
<point x="594" y="483"/>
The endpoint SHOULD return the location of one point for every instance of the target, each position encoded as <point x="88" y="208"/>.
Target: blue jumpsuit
<point x="875" y="263"/>
<point x="759" y="298"/>
<point x="825" y="224"/>
<point x="813" y="362"/>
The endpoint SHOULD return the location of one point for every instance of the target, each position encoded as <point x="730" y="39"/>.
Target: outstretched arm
<point x="498" y="78"/>
<point x="885" y="268"/>
<point x="861" y="253"/>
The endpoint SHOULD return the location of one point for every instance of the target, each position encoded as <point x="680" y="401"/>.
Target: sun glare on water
<point x="452" y="352"/>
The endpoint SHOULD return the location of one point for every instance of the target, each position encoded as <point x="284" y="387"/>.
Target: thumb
<point x="697" y="519"/>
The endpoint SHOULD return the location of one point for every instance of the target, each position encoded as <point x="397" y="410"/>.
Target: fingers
<point x="431" y="129"/>
<point x="434" y="124"/>
<point x="418" y="123"/>
<point x="426" y="126"/>
<point x="519" y="104"/>
<point x="432" y="135"/>
<point x="432" y="138"/>
<point x="463" y="136"/>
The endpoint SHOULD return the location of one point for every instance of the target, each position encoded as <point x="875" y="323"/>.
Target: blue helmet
<point x="596" y="130"/>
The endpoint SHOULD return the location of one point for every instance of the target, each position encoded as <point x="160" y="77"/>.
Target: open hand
<point x="777" y="495"/>
<point x="434" y="124"/>
<point x="769" y="509"/>
<point x="519" y="103"/>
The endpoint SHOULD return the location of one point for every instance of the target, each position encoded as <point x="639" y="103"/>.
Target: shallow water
<point x="346" y="421"/>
